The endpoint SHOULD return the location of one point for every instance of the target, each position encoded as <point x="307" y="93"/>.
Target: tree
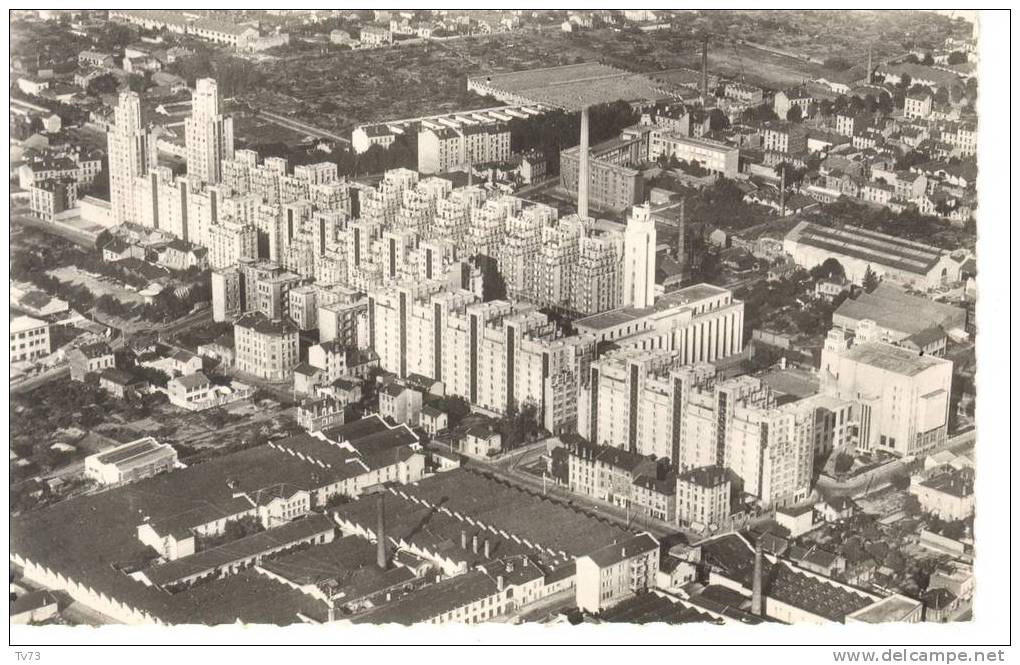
<point x="901" y="481"/>
<point x="830" y="269"/>
<point x="957" y="58"/>
<point x="137" y="83"/>
<point x="103" y="85"/>
<point x="870" y="280"/>
<point x="843" y="463"/>
<point x="794" y="114"/>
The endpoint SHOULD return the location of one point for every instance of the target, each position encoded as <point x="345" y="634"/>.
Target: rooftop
<point x="878" y="248"/>
<point x="651" y="607"/>
<point x="616" y="552"/>
<point x="894" y="309"/>
<point x="731" y="556"/>
<point x="895" y="359"/>
<point x="893" y="608"/>
<point x="263" y="325"/>
<point x="705" y="476"/>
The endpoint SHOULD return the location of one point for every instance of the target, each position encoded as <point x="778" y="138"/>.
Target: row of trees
<point x="557" y="130"/>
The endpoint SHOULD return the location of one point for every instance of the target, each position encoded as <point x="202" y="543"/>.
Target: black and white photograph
<point x="545" y="324"/>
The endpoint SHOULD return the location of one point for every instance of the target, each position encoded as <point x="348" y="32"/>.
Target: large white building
<point x="902" y="398"/>
<point x="209" y="135"/>
<point x="30" y="338"/>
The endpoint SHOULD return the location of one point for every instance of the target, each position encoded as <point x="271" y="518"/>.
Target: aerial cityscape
<point x="541" y="317"/>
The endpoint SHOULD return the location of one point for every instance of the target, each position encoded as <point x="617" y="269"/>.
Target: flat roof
<point x="895" y="359"/>
<point x="894" y="309"/>
<point x="893" y="608"/>
<point x="679" y="298"/>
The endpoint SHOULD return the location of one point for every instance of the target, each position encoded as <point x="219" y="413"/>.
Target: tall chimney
<point x="757" y="597"/>
<point x="380" y="532"/>
<point x="704" y="67"/>
<point x="868" y="73"/>
<point x="582" y="168"/>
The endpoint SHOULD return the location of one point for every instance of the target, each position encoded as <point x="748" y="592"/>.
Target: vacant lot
<point x="98" y="285"/>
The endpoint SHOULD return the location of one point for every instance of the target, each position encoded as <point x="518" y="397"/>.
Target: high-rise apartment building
<point x="209" y="135"/>
<point x="131" y="153"/>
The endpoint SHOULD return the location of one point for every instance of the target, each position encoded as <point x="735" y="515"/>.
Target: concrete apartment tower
<point x="131" y="154"/>
<point x="582" y="168"/>
<point x="209" y="135"/>
<point x="639" y="258"/>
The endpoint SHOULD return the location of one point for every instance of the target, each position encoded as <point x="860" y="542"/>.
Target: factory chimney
<point x="867" y="77"/>
<point x="380" y="532"/>
<point x="757" y="596"/>
<point x="582" y="167"/>
<point x="704" y="67"/>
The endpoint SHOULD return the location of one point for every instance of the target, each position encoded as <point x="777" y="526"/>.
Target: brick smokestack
<point x="380" y="532"/>
<point x="757" y="595"/>
<point x="583" y="176"/>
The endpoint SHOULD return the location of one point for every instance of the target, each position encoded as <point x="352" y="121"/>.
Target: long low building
<point x="384" y="133"/>
<point x="909" y="263"/>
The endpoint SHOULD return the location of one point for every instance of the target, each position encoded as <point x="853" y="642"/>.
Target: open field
<point x="763" y="68"/>
<point x="253" y="130"/>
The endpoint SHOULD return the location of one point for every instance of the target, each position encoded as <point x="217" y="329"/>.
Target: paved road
<point x="299" y="126"/>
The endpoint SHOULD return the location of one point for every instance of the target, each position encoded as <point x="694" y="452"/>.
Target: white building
<point x="30" y="339"/>
<point x="616" y="572"/>
<point x="902" y="398"/>
<point x="130" y="462"/>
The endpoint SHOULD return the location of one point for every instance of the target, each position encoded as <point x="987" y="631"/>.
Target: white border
<point x="994" y="588"/>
